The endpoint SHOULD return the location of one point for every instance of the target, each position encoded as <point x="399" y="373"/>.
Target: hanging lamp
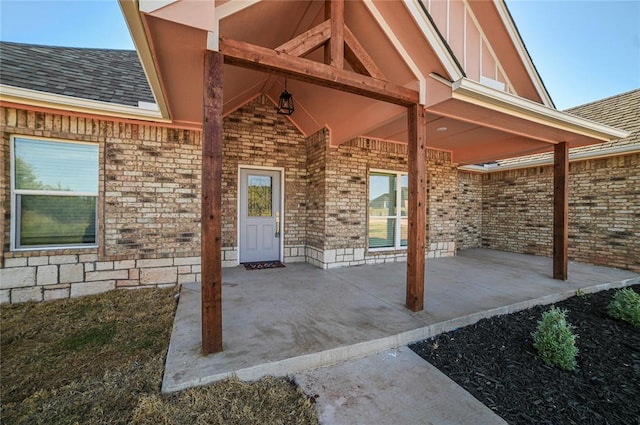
<point x="285" y="103"/>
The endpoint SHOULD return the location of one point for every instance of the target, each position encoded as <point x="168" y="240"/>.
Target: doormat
<point x="263" y="265"/>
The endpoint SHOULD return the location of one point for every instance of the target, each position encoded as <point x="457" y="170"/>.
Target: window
<point x="259" y="196"/>
<point x="388" y="198"/>
<point x="54" y="189"/>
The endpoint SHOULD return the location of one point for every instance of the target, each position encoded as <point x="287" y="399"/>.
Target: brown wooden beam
<point x="358" y="57"/>
<point x="263" y="59"/>
<point x="561" y="211"/>
<point x="308" y="41"/>
<point x="334" y="50"/>
<point x="417" y="156"/>
<point x="211" y="234"/>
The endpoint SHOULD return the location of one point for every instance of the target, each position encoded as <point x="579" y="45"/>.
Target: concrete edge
<point x="336" y="355"/>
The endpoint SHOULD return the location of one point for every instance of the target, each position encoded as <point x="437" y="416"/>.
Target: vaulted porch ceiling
<point x="473" y="130"/>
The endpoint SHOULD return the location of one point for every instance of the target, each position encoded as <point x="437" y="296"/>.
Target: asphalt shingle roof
<point x="620" y="111"/>
<point x="106" y="75"/>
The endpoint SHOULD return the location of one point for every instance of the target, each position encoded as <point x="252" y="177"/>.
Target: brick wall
<point x="517" y="210"/>
<point x="604" y="211"/>
<point x="469" y="226"/>
<point x="346" y="187"/>
<point x="148" y="229"/>
<point x="152" y="192"/>
<point x="317" y="151"/>
<point x="255" y="135"/>
<point x="442" y="204"/>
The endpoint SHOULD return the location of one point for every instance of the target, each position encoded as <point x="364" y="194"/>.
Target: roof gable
<point x="483" y="38"/>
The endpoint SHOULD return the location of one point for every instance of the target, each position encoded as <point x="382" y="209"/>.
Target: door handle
<point x="277" y="224"/>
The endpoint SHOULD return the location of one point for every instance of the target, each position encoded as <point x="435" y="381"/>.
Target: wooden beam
<point x="417" y="156"/>
<point x="358" y="57"/>
<point x="263" y="59"/>
<point x="308" y="41"/>
<point x="561" y="211"/>
<point x="334" y="50"/>
<point x="211" y="234"/>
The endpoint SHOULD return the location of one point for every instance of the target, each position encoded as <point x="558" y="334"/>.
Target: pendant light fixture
<point x="285" y="104"/>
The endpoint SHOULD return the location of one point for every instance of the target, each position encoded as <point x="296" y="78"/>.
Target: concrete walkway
<point x="284" y="321"/>
<point x="393" y="387"/>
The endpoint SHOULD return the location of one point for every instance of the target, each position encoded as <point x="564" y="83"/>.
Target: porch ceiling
<point x="476" y="130"/>
<point x="178" y="52"/>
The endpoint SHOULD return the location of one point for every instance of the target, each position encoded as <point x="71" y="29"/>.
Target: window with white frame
<point x="54" y="193"/>
<point x="388" y="198"/>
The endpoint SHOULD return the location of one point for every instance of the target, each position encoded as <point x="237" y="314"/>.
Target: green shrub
<point x="554" y="339"/>
<point x="626" y="306"/>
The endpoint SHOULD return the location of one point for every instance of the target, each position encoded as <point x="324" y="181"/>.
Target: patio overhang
<point x="482" y="124"/>
<point x="517" y="126"/>
<point x="367" y="68"/>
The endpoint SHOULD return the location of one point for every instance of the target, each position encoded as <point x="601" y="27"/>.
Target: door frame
<point x="280" y="170"/>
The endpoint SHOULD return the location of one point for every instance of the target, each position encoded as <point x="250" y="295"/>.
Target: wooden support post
<point x="417" y="153"/>
<point x="334" y="52"/>
<point x="211" y="233"/>
<point x="561" y="211"/>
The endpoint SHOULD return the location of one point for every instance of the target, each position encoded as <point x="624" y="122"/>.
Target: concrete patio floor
<point x="283" y="321"/>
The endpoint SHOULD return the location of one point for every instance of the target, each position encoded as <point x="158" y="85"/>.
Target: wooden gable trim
<point x="308" y="41"/>
<point x="263" y="59"/>
<point x="358" y="57"/>
<point x="334" y="51"/>
<point x="334" y="33"/>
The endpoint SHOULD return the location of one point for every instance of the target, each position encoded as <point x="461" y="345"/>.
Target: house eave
<point x="431" y="34"/>
<point x="510" y="25"/>
<point x="130" y="11"/>
<point x="40" y="99"/>
<point x="475" y="93"/>
<point x="573" y="157"/>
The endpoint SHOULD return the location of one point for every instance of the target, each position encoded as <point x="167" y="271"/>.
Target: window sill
<point x="56" y="248"/>
<point x="386" y="250"/>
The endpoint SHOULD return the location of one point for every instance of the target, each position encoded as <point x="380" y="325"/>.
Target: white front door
<point x="260" y="215"/>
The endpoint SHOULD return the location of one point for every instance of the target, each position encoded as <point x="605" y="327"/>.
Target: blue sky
<point x="584" y="50"/>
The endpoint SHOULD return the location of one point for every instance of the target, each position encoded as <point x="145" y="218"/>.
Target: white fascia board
<point x="138" y="34"/>
<point x="74" y="104"/>
<point x="213" y="41"/>
<point x="577" y="156"/>
<point x="150" y="6"/>
<point x="522" y="51"/>
<point x="227" y="9"/>
<point x="232" y="7"/>
<point x="478" y="94"/>
<point x="432" y="36"/>
<point x="399" y="48"/>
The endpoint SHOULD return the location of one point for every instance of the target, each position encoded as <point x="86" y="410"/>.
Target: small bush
<point x="554" y="339"/>
<point x="626" y="306"/>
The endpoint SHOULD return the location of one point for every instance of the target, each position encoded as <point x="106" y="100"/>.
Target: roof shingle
<point x="106" y="75"/>
<point x="620" y="111"/>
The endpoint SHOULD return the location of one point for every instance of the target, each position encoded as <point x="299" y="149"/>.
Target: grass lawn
<point x="100" y="360"/>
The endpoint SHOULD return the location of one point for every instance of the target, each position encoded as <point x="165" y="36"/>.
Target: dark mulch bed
<point x="496" y="362"/>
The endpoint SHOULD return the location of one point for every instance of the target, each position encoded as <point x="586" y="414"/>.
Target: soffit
<point x="178" y="52"/>
<point x="475" y="133"/>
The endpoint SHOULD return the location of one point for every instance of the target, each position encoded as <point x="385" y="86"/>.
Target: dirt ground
<point x="100" y="360"/>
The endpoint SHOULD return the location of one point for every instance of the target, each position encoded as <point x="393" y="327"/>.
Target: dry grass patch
<point x="100" y="359"/>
